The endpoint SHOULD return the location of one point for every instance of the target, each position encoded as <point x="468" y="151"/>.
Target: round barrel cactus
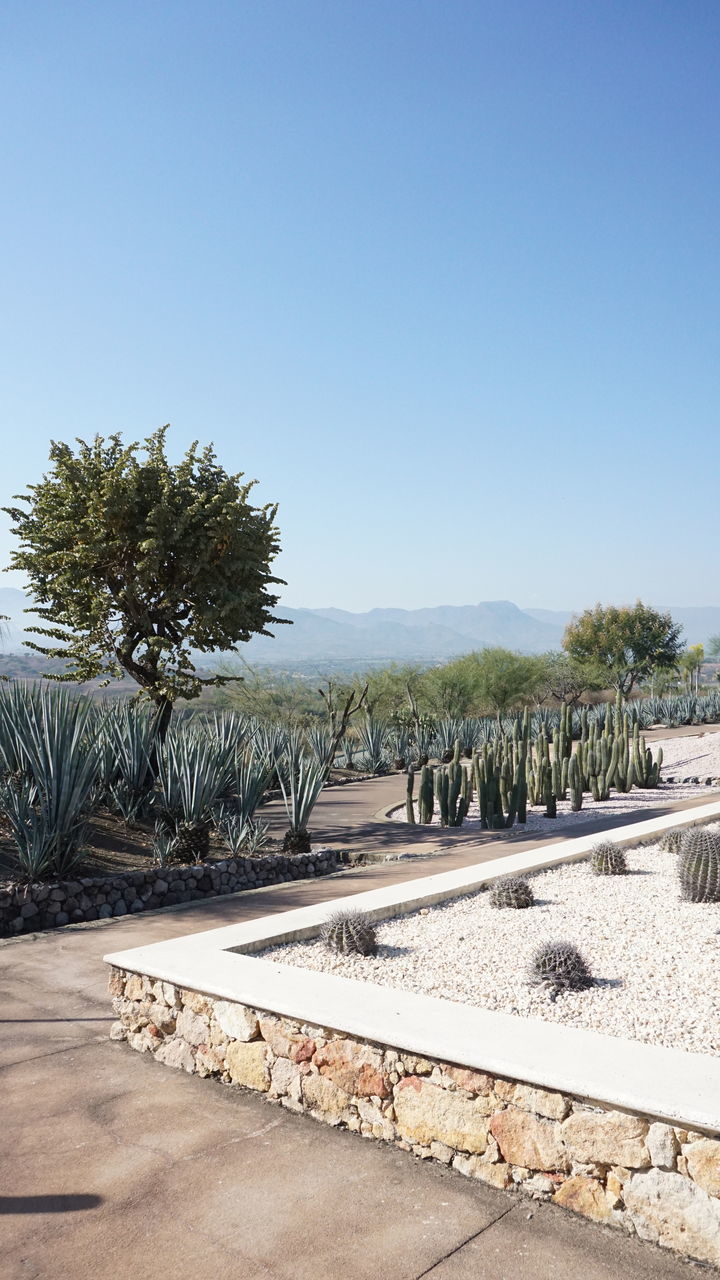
<point x="350" y="933"/>
<point x="559" y="966"/>
<point x="699" y="865"/>
<point x="511" y="891"/>
<point x="672" y="841"/>
<point x="607" y="860"/>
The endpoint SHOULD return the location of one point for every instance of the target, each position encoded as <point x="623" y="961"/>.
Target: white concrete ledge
<point x="678" y="1087"/>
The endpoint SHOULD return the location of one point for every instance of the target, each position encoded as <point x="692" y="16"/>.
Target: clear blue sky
<point x="443" y="276"/>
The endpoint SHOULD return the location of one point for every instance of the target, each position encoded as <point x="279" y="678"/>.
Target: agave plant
<point x="55" y="751"/>
<point x="320" y="741"/>
<point x="127" y="739"/>
<point x="192" y="774"/>
<point x="423" y="740"/>
<point x="301" y="780"/>
<point x="372" y="735"/>
<point x="34" y="843"/>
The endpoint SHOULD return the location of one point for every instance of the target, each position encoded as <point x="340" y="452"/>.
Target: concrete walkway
<point x="115" y="1166"/>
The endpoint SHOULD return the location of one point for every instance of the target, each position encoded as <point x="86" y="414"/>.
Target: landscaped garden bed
<point x="623" y="1131"/>
<point x="655" y="957"/>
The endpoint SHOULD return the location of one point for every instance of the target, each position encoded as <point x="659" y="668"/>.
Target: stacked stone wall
<point x="629" y="1171"/>
<point x="27" y="908"/>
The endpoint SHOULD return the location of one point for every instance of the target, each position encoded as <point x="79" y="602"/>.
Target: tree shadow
<point x="48" y="1204"/>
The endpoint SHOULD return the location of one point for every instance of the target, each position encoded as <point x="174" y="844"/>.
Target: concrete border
<point x="678" y="1087"/>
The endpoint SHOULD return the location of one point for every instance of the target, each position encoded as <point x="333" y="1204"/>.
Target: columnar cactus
<point x="409" y="803"/>
<point x="350" y="933"/>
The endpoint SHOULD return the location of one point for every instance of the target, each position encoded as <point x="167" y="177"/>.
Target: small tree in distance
<point x="622" y="645"/>
<point x="134" y="563"/>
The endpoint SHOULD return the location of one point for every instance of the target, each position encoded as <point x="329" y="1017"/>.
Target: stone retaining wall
<point x="46" y="906"/>
<point x="629" y="1171"/>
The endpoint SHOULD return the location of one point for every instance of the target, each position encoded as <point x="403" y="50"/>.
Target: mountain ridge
<point x="431" y="634"/>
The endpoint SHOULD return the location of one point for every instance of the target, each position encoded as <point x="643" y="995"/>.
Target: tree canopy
<point x="622" y="645"/>
<point x="134" y="564"/>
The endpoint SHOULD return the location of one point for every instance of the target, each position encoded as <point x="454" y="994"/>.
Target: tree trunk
<point x="164" y="710"/>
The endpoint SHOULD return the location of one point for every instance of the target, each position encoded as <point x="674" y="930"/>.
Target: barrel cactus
<point x="699" y="865"/>
<point x="559" y="966"/>
<point x="672" y="841"/>
<point x="511" y="891"/>
<point x="606" y="859"/>
<point x="350" y="933"/>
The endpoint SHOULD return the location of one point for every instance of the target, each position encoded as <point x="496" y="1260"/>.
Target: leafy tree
<point x="276" y="696"/>
<point x="714" y="648"/>
<point x="134" y="563"/>
<point x="690" y="663"/>
<point x="622" y="645"/>
<point x="501" y="679"/>
<point x="565" y="679"/>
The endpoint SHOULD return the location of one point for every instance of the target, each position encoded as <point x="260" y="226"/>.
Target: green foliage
<point x="350" y="933"/>
<point x="134" y="563"/>
<point x="564" y="679"/>
<point x="511" y="891"/>
<point x="623" y="645"/>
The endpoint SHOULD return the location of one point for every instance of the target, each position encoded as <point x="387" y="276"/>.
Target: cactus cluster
<point x="606" y="859"/>
<point x="699" y="865"/>
<point x="559" y="966"/>
<point x="511" y="891"/>
<point x="513" y="769"/>
<point x="350" y="933"/>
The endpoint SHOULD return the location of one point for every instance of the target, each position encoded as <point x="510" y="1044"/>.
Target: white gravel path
<point x="656" y="957"/>
<point x="692" y="756"/>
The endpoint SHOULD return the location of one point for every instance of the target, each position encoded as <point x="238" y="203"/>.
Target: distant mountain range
<point x="393" y="635"/>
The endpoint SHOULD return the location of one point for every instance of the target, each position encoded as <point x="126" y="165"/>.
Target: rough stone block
<point x="236" y="1020"/>
<point x="703" y="1164"/>
<point x="355" y="1068"/>
<point x="176" y="1053"/>
<point x="426" y="1113"/>
<point x="543" y="1102"/>
<point x="586" y="1196"/>
<point x="671" y="1210"/>
<point x="325" y="1099"/>
<point x="662" y="1145"/>
<point x="607" y="1137"/>
<point x="247" y="1064"/>
<point x="527" y="1141"/>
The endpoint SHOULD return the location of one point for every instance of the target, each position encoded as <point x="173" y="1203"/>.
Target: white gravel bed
<point x="656" y="958"/>
<point x="693" y="756"/>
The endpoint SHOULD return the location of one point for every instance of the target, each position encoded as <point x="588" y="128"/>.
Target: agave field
<point x="69" y="766"/>
<point x="83" y="782"/>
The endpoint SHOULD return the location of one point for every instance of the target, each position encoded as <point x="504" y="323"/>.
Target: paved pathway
<point x="115" y="1166"/>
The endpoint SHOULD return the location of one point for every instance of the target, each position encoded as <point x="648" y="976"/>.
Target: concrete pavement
<point x="115" y="1165"/>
